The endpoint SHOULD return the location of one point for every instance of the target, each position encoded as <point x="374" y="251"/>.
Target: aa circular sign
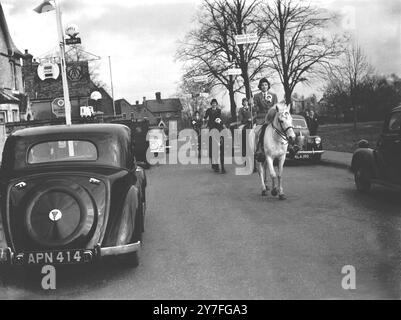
<point x="58" y="107"/>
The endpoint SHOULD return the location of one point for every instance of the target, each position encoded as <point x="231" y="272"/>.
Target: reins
<point x="283" y="133"/>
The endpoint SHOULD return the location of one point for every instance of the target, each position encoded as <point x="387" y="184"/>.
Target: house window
<point x="15" y="116"/>
<point x="3" y="117"/>
<point x="14" y="75"/>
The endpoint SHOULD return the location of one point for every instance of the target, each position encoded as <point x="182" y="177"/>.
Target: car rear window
<point x="57" y="151"/>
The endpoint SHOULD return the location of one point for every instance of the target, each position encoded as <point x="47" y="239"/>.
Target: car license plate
<point x="54" y="257"/>
<point x="302" y="156"/>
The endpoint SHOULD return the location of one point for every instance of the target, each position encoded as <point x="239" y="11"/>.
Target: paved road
<point x="212" y="236"/>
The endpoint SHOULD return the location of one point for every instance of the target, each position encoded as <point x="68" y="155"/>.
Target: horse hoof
<point x="282" y="197"/>
<point x="264" y="193"/>
<point x="274" y="192"/>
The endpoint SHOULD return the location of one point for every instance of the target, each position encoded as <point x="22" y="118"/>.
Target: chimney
<point x="137" y="102"/>
<point x="144" y="101"/>
<point x="159" y="97"/>
<point x="27" y="58"/>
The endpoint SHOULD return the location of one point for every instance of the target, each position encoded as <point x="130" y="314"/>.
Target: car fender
<point x="123" y="226"/>
<point x="364" y="156"/>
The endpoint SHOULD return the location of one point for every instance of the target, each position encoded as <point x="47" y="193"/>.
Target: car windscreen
<point x="58" y="151"/>
<point x="299" y="123"/>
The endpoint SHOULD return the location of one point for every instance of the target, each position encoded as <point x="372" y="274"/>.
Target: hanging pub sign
<point x="74" y="72"/>
<point x="72" y="31"/>
<point x="48" y="70"/>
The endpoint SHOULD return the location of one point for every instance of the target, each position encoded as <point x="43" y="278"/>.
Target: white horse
<point x="277" y="136"/>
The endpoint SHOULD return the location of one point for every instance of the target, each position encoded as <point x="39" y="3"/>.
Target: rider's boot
<point x="260" y="154"/>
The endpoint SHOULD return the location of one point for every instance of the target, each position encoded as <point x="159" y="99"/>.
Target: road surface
<point x="212" y="236"/>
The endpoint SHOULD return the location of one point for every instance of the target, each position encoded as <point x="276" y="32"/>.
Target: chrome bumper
<point x="8" y="257"/>
<point x="313" y="152"/>
<point x="114" y="251"/>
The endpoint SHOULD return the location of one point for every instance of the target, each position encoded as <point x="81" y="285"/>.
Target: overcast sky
<point x="141" y="36"/>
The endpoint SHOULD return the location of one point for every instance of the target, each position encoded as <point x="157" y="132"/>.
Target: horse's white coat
<point x="275" y="147"/>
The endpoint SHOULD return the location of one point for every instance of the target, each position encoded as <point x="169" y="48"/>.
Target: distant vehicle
<point x="310" y="147"/>
<point x="381" y="165"/>
<point x="71" y="195"/>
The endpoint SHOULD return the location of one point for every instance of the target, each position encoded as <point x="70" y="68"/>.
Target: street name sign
<point x="246" y="38"/>
<point x="72" y="41"/>
<point x="201" y="79"/>
<point x="234" y="72"/>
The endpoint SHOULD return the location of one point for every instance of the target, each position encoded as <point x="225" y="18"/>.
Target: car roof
<point x="113" y="142"/>
<point x="298" y="116"/>
<point x="79" y="129"/>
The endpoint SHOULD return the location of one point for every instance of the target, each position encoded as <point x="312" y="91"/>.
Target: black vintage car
<point x="381" y="165"/>
<point x="71" y="195"/>
<point x="309" y="147"/>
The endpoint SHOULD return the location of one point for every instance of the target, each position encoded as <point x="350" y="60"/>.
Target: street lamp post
<point x="44" y="7"/>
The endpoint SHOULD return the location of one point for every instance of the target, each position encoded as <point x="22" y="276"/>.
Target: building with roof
<point x="137" y="111"/>
<point x="42" y="93"/>
<point x="12" y="96"/>
<point x="165" y="109"/>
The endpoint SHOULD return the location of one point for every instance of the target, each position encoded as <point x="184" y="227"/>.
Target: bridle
<point x="283" y="132"/>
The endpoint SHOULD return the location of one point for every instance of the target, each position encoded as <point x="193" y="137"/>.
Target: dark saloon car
<point x="71" y="195"/>
<point x="381" y="165"/>
<point x="310" y="147"/>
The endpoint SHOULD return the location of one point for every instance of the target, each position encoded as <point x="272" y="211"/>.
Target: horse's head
<point x="284" y="120"/>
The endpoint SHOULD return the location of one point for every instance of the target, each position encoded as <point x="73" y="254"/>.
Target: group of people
<point x="257" y="111"/>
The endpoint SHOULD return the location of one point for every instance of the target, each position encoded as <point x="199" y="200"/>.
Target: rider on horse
<point x="264" y="101"/>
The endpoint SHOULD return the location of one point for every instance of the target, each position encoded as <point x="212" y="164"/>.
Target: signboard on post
<point x="233" y="72"/>
<point x="58" y="107"/>
<point x="246" y="38"/>
<point x="72" y="41"/>
<point x="200" y="79"/>
<point x="48" y="70"/>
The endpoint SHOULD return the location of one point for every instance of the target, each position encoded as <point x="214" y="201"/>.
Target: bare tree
<point x="211" y="49"/>
<point x="351" y="69"/>
<point x="300" y="43"/>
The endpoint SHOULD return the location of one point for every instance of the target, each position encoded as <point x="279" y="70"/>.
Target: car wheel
<point x="362" y="179"/>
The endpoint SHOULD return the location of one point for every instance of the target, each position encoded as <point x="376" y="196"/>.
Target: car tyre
<point x="363" y="179"/>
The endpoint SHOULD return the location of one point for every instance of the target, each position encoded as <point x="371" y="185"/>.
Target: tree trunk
<point x="233" y="106"/>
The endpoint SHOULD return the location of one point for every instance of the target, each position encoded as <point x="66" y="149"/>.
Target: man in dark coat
<point x="313" y="123"/>
<point x="214" y="121"/>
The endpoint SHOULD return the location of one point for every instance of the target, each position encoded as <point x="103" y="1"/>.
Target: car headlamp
<point x="318" y="140"/>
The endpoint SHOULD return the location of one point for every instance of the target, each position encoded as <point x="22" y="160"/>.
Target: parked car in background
<point x="310" y="147"/>
<point x="71" y="195"/>
<point x="382" y="164"/>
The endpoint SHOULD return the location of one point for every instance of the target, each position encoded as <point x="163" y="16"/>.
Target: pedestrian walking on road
<point x="212" y="114"/>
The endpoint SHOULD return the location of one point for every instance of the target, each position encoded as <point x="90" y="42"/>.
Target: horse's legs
<point x="262" y="179"/>
<point x="265" y="176"/>
<point x="273" y="175"/>
<point x="280" y="177"/>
